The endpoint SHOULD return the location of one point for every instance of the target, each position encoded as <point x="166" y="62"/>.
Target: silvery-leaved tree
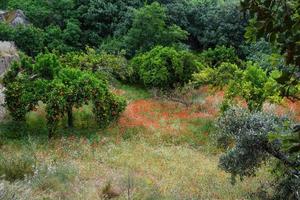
<point x="258" y="137"/>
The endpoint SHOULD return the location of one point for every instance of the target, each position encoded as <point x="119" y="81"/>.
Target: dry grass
<point x="146" y="171"/>
<point x="125" y="162"/>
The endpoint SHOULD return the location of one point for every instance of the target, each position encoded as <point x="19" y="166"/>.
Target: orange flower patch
<point x="158" y="114"/>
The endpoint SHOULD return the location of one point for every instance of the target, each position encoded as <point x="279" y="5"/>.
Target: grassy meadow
<point x="158" y="150"/>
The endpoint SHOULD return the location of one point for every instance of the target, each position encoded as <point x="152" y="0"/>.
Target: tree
<point x="61" y="88"/>
<point x="164" y="67"/>
<point x="255" y="140"/>
<point x="108" y="66"/>
<point x="254" y="86"/>
<point x="219" y="54"/>
<point x="209" y="23"/>
<point x="3" y="4"/>
<point x="149" y="29"/>
<point x="28" y="39"/>
<point x="278" y="21"/>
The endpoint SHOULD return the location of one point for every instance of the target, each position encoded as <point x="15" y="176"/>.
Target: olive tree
<point x="255" y="141"/>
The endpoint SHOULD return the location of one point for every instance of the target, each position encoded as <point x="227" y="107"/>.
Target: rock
<point x="14" y="18"/>
<point x="2" y="100"/>
<point x="8" y="53"/>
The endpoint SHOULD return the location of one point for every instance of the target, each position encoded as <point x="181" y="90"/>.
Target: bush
<point x="164" y="67"/>
<point x="216" y="77"/>
<point x="16" y="166"/>
<point x="255" y="86"/>
<point x="109" y="65"/>
<point x="218" y="55"/>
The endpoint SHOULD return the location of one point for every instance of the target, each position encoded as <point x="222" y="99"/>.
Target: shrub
<point x="16" y="166"/>
<point x="218" y="55"/>
<point x="109" y="65"/>
<point x="164" y="67"/>
<point x="255" y="86"/>
<point x="216" y="77"/>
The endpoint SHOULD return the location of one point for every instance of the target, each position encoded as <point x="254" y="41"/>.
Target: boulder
<point x="8" y="53"/>
<point x="14" y="18"/>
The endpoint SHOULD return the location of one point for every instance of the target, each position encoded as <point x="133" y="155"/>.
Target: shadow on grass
<point x="35" y="127"/>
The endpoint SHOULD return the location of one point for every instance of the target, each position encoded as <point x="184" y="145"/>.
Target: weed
<point x="16" y="166"/>
<point x="53" y="177"/>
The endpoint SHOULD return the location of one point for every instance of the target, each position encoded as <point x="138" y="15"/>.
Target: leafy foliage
<point x="164" y="67"/>
<point x="278" y="21"/>
<point x="61" y="88"/>
<point x="28" y="38"/>
<point x="209" y="23"/>
<point x="250" y="132"/>
<point x="255" y="86"/>
<point x="149" y="29"/>
<point x="217" y="77"/>
<point x="214" y="57"/>
<point x="107" y="65"/>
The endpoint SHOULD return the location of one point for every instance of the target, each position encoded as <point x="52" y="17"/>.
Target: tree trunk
<point x="70" y="116"/>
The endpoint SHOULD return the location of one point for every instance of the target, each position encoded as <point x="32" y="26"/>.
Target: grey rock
<point x="14" y="18"/>
<point x="8" y="53"/>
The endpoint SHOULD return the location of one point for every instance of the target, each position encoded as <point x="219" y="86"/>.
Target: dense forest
<point x="142" y="99"/>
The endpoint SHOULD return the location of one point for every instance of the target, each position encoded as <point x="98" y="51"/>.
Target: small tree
<point x="254" y="85"/>
<point x="258" y="137"/>
<point x="61" y="88"/>
<point x="163" y="67"/>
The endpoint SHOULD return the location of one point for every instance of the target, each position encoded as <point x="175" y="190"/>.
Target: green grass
<point x="142" y="163"/>
<point x="134" y="92"/>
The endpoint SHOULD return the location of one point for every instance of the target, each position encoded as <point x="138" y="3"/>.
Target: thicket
<point x="133" y="26"/>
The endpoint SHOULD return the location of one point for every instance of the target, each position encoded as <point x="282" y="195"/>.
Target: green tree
<point x="149" y="29"/>
<point x="28" y="39"/>
<point x="258" y="137"/>
<point x="219" y="54"/>
<point x="278" y="21"/>
<point x="209" y="23"/>
<point x="254" y="86"/>
<point x="164" y="67"/>
<point x="3" y="4"/>
<point x="61" y="88"/>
